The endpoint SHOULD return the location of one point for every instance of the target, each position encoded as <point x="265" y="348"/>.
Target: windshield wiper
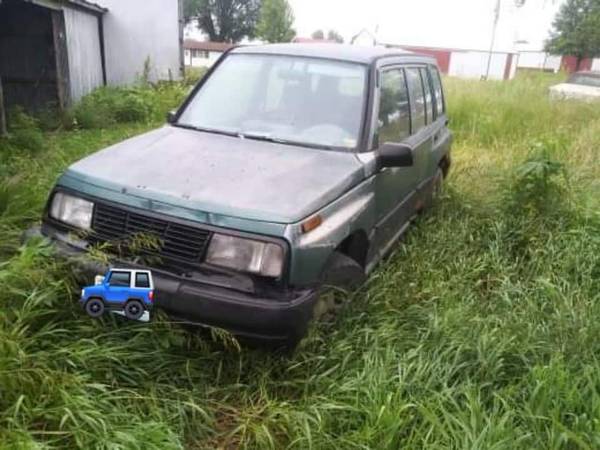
<point x="277" y="140"/>
<point x="207" y="130"/>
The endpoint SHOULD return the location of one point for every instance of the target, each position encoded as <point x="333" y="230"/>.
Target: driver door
<point x="395" y="187"/>
<point x="119" y="286"/>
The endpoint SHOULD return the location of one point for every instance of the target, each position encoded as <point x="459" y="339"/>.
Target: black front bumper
<point x="195" y="301"/>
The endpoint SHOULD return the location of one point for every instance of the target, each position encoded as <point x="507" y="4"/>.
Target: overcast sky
<point x="444" y="23"/>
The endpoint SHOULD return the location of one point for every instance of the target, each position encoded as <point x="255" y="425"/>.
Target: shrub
<point x="133" y="106"/>
<point x="24" y="132"/>
<point x="193" y="75"/>
<point x="538" y="185"/>
<point x="106" y="106"/>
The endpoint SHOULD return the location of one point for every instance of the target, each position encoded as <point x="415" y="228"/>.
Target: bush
<point x="24" y="132"/>
<point x="107" y="106"/>
<point x="538" y="184"/>
<point x="193" y="75"/>
<point x="133" y="107"/>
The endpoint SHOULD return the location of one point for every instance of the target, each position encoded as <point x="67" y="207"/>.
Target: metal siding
<point x="539" y="61"/>
<point x="473" y="64"/>
<point x="135" y="30"/>
<point x="442" y="56"/>
<point x="83" y="46"/>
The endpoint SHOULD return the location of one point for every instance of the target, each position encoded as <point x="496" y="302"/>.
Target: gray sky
<point x="443" y="23"/>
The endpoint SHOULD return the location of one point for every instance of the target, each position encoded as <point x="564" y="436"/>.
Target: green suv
<point x="289" y="167"/>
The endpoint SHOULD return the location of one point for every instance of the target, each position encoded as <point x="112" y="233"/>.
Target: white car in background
<point x="580" y="86"/>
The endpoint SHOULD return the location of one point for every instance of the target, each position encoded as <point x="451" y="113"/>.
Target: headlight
<point x="72" y="210"/>
<point x="246" y="255"/>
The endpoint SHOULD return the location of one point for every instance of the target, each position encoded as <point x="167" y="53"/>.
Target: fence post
<point x="3" y="130"/>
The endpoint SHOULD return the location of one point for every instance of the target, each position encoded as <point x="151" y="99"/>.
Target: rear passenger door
<point x="442" y="138"/>
<point x="421" y="138"/>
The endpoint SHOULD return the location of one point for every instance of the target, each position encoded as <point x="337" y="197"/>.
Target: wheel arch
<point x="356" y="246"/>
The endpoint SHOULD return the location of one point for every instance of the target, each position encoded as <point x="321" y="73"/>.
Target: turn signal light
<point x="312" y="223"/>
<point x="151" y="296"/>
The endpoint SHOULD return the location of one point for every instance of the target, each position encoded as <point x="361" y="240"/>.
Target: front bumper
<point x="195" y="301"/>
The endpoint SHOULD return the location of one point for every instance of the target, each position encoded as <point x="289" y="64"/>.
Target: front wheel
<point x="94" y="307"/>
<point x="342" y="274"/>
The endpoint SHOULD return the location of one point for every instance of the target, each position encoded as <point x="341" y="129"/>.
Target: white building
<point x="203" y="53"/>
<point x="56" y="51"/>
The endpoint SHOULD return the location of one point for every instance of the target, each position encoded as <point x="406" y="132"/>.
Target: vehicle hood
<point x="575" y="91"/>
<point x="222" y="175"/>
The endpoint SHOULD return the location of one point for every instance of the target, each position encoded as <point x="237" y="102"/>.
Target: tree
<point x="335" y="37"/>
<point x="318" y="35"/>
<point x="576" y="30"/>
<point x="276" y="20"/>
<point x="224" y="20"/>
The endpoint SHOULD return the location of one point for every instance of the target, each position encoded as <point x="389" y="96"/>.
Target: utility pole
<point x="496" y="19"/>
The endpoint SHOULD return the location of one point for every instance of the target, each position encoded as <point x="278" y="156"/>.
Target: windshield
<point x="282" y="98"/>
<point x="585" y="80"/>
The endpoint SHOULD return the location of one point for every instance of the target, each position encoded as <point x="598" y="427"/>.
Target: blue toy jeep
<point x="128" y="292"/>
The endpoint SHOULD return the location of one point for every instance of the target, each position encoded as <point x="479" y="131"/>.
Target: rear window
<point x="417" y="98"/>
<point x="437" y="91"/>
<point x="428" y="94"/>
<point x="142" y="280"/>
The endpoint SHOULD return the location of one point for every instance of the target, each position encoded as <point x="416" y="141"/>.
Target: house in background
<point x="57" y="51"/>
<point x="203" y="53"/>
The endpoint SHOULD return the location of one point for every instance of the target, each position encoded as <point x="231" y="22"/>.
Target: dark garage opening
<point x="28" y="56"/>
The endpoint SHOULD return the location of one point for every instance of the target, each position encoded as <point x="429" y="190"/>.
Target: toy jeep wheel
<point x="94" y="307"/>
<point x="134" y="310"/>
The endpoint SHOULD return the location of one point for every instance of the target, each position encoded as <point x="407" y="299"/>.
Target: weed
<point x="480" y="331"/>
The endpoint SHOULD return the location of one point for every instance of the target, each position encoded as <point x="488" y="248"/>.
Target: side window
<point x="428" y="95"/>
<point x="121" y="279"/>
<point x="417" y="98"/>
<point x="142" y="280"/>
<point x="394" y="110"/>
<point x="437" y="91"/>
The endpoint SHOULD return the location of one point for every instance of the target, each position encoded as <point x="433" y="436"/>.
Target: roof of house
<point x="85" y="5"/>
<point x="93" y="7"/>
<point x="191" y="44"/>
<point x="343" y="52"/>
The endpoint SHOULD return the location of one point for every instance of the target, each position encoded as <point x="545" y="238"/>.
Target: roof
<point x="343" y="52"/>
<point x="305" y="40"/>
<point x="78" y="4"/>
<point x="191" y="44"/>
<point x="93" y="7"/>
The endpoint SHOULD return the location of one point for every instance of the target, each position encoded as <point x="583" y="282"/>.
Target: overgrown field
<point x="482" y="330"/>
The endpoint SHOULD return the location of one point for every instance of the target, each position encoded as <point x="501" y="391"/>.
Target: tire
<point x="94" y="307"/>
<point x="134" y="309"/>
<point x="341" y="275"/>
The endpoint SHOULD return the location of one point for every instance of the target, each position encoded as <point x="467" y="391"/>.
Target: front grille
<point x="169" y="239"/>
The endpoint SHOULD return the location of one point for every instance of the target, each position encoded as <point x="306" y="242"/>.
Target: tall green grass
<point x="480" y="331"/>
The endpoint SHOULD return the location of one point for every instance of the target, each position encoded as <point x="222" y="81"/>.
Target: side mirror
<point x="395" y="155"/>
<point x="171" y="116"/>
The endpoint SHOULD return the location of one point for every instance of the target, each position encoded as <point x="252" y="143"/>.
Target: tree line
<point x="234" y="20"/>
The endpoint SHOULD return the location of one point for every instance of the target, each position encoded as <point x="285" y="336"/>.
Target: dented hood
<point x="223" y="175"/>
